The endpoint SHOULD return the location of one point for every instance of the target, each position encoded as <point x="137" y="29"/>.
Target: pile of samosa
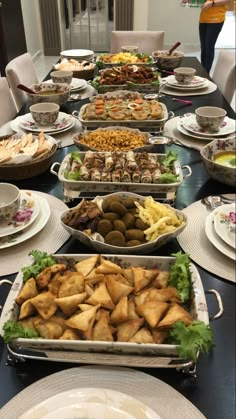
<point x="101" y="301"/>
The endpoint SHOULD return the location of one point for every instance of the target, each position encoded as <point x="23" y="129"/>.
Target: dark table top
<point x="213" y="390"/>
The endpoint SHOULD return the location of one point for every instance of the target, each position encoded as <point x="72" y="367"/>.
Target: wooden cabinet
<point x="12" y="35"/>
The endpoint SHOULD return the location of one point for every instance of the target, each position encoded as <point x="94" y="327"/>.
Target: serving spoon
<point x="26" y="89"/>
<point x="176" y="45"/>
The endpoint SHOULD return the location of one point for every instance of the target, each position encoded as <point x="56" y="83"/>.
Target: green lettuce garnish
<point x="180" y="276"/>
<point x="41" y="260"/>
<point x="198" y="336"/>
<point x="14" y="330"/>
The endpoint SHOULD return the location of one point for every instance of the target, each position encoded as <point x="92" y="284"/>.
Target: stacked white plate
<point x="78" y="54"/>
<point x="196" y="84"/>
<point x="188" y="125"/>
<point x="64" y="122"/>
<point x="220" y="228"/>
<point x="30" y="218"/>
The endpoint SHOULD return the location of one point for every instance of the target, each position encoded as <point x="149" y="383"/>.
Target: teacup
<point x="9" y="201"/>
<point x="129" y="48"/>
<point x="61" y="76"/>
<point x="44" y="113"/>
<point x="184" y="75"/>
<point x="210" y="117"/>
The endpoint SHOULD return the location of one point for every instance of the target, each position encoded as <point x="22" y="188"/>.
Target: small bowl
<point x="210" y="117"/>
<point x="61" y="76"/>
<point x="101" y="247"/>
<point x="129" y="48"/>
<point x="184" y="75"/>
<point x="219" y="172"/>
<point x="9" y="201"/>
<point x="49" y="92"/>
<point x="167" y="62"/>
<point x="44" y="113"/>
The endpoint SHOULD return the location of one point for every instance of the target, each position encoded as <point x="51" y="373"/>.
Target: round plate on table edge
<point x="35" y="228"/>
<point x="222" y="224"/>
<point x="181" y="128"/>
<point x="27" y="202"/>
<point x="171" y="81"/>
<point x="88" y="403"/>
<point x="216" y="240"/>
<point x="158" y="395"/>
<point x="191" y="125"/>
<point x="18" y="123"/>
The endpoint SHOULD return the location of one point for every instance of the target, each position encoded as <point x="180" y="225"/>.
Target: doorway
<point x="88" y="24"/>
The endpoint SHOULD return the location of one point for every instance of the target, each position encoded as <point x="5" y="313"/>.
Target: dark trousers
<point x="208" y="33"/>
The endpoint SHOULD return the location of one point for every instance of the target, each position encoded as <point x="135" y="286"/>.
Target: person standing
<point x="211" y="21"/>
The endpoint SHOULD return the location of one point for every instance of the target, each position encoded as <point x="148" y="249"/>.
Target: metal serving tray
<point x="109" y="353"/>
<point x="94" y="187"/>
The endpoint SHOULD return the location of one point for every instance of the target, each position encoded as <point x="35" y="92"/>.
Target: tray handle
<point x="3" y="282"/>
<point x="188" y="168"/>
<point x="55" y="164"/>
<point x="220" y="304"/>
<point x="75" y="114"/>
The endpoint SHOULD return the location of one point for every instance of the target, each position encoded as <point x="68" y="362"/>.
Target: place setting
<point x="27" y="220"/>
<point x="185" y="82"/>
<point x="194" y="130"/>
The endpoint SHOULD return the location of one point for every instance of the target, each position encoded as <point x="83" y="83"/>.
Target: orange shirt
<point x="215" y="14"/>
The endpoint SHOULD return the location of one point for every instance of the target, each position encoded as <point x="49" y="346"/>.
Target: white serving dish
<point x="94" y="187"/>
<point x="77" y="54"/>
<point x="198" y="311"/>
<point x="144" y="248"/>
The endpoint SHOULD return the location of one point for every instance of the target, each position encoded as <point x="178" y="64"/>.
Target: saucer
<point x="63" y="123"/>
<point x="25" y="216"/>
<point x="190" y="124"/>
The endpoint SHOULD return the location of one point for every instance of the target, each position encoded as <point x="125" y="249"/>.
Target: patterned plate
<point x="25" y="216"/>
<point x="225" y="223"/>
<point x="197" y="83"/>
<point x="190" y="124"/>
<point x="217" y="242"/>
<point x="63" y="123"/>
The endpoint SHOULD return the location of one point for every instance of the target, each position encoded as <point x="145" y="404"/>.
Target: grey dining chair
<point x="224" y="73"/>
<point x="20" y="71"/>
<point x="146" y="41"/>
<point x="7" y="104"/>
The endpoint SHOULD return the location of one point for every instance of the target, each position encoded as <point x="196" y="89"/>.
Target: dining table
<point x="211" y="387"/>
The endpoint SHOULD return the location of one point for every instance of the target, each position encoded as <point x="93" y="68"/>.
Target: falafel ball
<point x="115" y="238"/>
<point x="128" y="202"/>
<point x="111" y="216"/>
<point x="107" y="202"/>
<point x="129" y="220"/>
<point x="119" y="225"/>
<point x="118" y="208"/>
<point x="134" y="234"/>
<point x="132" y="243"/>
<point x="104" y="227"/>
<point x="140" y="224"/>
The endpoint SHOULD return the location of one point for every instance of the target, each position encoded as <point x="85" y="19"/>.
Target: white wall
<point x="179" y="23"/>
<point x="140" y="15"/>
<point x="32" y="25"/>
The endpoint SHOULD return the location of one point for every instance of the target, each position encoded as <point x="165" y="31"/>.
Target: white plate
<point x="32" y="230"/>
<point x="25" y="216"/>
<point x="190" y="124"/>
<point x="77" y="53"/>
<point x="181" y="129"/>
<point x="64" y="122"/>
<point x="90" y="403"/>
<point x="225" y="223"/>
<point x="159" y="396"/>
<point x="216" y="240"/>
<point x="76" y="84"/>
<point x="197" y="83"/>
